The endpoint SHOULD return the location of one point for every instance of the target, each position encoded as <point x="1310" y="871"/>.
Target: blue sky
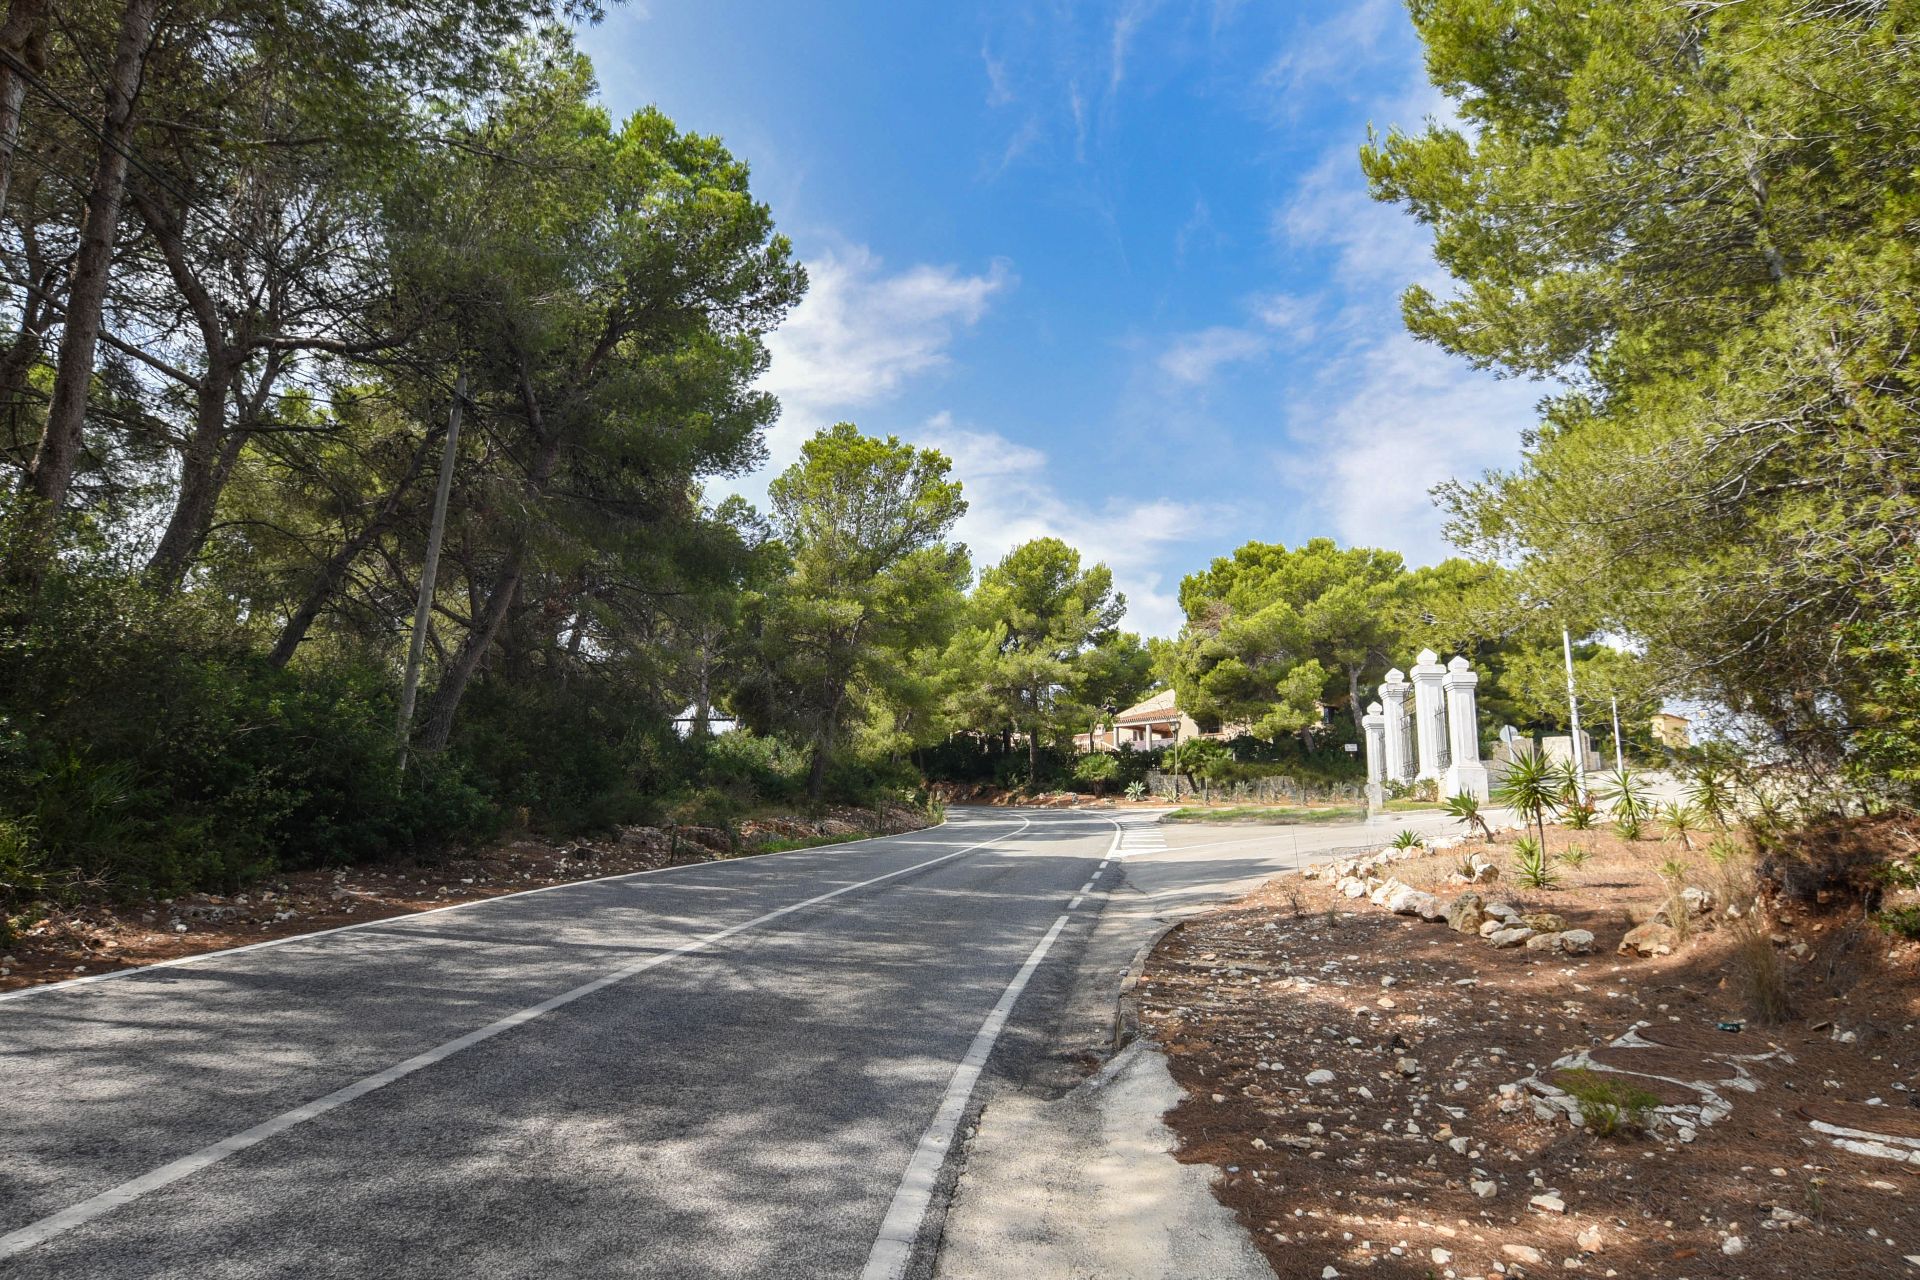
<point x="1116" y="259"/>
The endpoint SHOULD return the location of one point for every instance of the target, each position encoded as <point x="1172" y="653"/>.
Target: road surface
<point x="748" y="1068"/>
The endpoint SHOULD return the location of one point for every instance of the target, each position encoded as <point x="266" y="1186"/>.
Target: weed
<point x="1576" y="857"/>
<point x="1679" y="915"/>
<point x="1608" y="1108"/>
<point x="1533" y="865"/>
<point x="1901" y="922"/>
<point x="1763" y="979"/>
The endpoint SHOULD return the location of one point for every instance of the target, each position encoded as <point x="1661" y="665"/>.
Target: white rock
<point x="1441" y="1257"/>
<point x="1322" y="1076"/>
<point x="1589" y="1240"/>
<point x="1331" y="1273"/>
<point x="1733" y="1245"/>
<point x="1523" y="1253"/>
<point x="1483" y="1189"/>
<point x="1548" y="1204"/>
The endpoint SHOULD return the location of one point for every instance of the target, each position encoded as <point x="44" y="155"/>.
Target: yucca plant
<point x="1578" y="814"/>
<point x="1406" y="840"/>
<point x="1626" y="798"/>
<point x="1681" y="820"/>
<point x="1532" y="866"/>
<point x="1465" y="808"/>
<point x="1710" y="794"/>
<point x="1532" y="789"/>
<point x="1576" y="857"/>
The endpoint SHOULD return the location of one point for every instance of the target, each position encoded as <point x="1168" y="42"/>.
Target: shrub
<point x="1762" y="978"/>
<point x="1609" y="1107"/>
<point x="1136" y="790"/>
<point x="1404" y="839"/>
<point x="1681" y="820"/>
<point x="1097" y="769"/>
<point x="1576" y="857"/>
<point x="1532" y="865"/>
<point x="1901" y="922"/>
<point x="1465" y="809"/>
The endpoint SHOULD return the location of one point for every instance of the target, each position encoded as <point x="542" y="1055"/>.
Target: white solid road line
<point x="789" y="856"/>
<point x="18" y="1241"/>
<point x="893" y="1247"/>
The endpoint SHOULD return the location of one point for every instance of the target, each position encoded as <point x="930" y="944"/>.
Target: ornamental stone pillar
<point x="1393" y="696"/>
<point x="1430" y="716"/>
<point x="1375" y="724"/>
<point x="1466" y="775"/>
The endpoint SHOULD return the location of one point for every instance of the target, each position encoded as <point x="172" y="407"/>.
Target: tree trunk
<point x="1353" y="702"/>
<point x="1033" y="758"/>
<point x="458" y="674"/>
<point x="208" y="459"/>
<point x="23" y="38"/>
<point x="817" y="772"/>
<point x="59" y="451"/>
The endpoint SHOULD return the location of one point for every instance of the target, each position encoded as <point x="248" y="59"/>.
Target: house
<point x="1672" y="731"/>
<point x="1156" y="722"/>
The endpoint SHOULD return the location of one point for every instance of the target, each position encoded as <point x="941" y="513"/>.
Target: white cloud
<point x="1126" y="24"/>
<point x="862" y="333"/>
<point x="1386" y="423"/>
<point x="1193" y="358"/>
<point x="1372" y="243"/>
<point x="1328" y="51"/>
<point x="1012" y="499"/>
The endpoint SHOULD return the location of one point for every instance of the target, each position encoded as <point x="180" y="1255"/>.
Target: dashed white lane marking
<point x="1076" y="901"/>
<point x="18" y="1241"/>
<point x="893" y="1247"/>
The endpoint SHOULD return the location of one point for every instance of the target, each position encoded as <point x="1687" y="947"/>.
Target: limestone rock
<point x="1511" y="936"/>
<point x="1576" y="942"/>
<point x="1543" y="922"/>
<point x="1650" y="939"/>
<point x="1466" y="913"/>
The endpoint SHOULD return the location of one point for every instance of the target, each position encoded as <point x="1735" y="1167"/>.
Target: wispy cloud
<point x="1193" y="358"/>
<point x="999" y="83"/>
<point x="863" y="332"/>
<point x="1013" y="498"/>
<point x="1126" y="25"/>
<point x="1326" y="53"/>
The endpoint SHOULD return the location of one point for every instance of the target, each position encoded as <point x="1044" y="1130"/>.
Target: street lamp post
<point x="1573" y="715"/>
<point x="1619" y="760"/>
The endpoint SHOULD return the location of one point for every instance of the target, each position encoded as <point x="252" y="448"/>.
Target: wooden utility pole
<point x="423" y="609"/>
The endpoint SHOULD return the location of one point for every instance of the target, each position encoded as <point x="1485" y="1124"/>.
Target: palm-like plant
<point x="1711" y="794"/>
<point x="1626" y="798"/>
<point x="1532" y="789"/>
<point x="1681" y="820"/>
<point x="1405" y="839"/>
<point x="1465" y="808"/>
<point x="1532" y="866"/>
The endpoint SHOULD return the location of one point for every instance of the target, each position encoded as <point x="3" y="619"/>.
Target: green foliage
<point x="872" y="582"/>
<point x="1901" y="922"/>
<point x="1625" y="794"/>
<point x="1039" y="651"/>
<point x="1099" y="769"/>
<point x="1680" y="821"/>
<point x="1728" y="474"/>
<point x="1465" y="809"/>
<point x="1405" y="839"/>
<point x="1576" y="857"/>
<point x="1533" y="865"/>
<point x="1609" y="1106"/>
<point x="1533" y="788"/>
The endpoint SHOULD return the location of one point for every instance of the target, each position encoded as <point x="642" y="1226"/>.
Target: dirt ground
<point x="1422" y="1157"/>
<point x="76" y="939"/>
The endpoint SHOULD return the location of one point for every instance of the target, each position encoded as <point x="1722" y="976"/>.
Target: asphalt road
<point x="717" y="1070"/>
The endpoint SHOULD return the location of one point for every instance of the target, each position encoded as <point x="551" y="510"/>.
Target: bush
<point x="145" y="749"/>
<point x="1532" y="865"/>
<point x="1609" y="1107"/>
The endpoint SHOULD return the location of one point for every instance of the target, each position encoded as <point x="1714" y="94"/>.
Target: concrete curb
<point x="1126" y="1014"/>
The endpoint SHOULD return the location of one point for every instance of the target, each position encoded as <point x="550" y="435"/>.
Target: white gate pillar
<point x="1393" y="696"/>
<point x="1374" y="722"/>
<point x="1466" y="775"/>
<point x="1430" y="715"/>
